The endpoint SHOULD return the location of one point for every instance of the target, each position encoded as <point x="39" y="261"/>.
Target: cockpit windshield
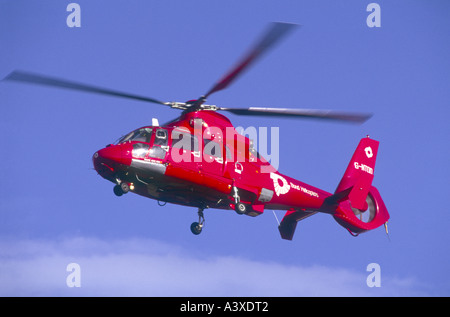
<point x="140" y="135"/>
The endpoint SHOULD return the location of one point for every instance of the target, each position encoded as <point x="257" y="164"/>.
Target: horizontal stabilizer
<point x="289" y="223"/>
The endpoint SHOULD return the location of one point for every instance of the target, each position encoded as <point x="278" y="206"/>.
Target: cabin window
<point x="253" y="154"/>
<point x="157" y="152"/>
<point x="228" y="153"/>
<point x="185" y="141"/>
<point x="161" y="137"/>
<point x="212" y="148"/>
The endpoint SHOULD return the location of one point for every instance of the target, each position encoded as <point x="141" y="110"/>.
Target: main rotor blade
<point x="300" y="113"/>
<point x="62" y="83"/>
<point x="275" y="32"/>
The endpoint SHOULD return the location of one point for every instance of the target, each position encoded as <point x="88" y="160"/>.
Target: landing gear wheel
<point x="118" y="190"/>
<point x="125" y="187"/>
<point x="240" y="208"/>
<point x="121" y="189"/>
<point x="196" y="228"/>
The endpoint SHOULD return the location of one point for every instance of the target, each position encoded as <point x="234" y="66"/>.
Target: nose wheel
<point x="121" y="189"/>
<point x="196" y="227"/>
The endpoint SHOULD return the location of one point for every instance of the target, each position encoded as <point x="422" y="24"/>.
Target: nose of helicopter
<point x="112" y="158"/>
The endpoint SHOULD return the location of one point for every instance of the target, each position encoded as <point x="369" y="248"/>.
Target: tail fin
<point x="357" y="179"/>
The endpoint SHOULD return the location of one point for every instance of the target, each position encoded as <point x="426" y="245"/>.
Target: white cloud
<point x="140" y="267"/>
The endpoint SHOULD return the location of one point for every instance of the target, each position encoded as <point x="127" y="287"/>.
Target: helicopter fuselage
<point x="200" y="160"/>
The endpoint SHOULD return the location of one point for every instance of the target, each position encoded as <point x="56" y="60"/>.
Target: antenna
<point x="387" y="231"/>
<point x="276" y="217"/>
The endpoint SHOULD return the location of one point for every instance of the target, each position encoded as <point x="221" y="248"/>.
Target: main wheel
<point x="196" y="228"/>
<point x="240" y="208"/>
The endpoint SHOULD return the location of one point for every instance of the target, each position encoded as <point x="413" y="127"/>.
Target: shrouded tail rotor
<point x="367" y="215"/>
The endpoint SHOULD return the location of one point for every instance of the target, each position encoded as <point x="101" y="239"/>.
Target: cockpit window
<point x="140" y="135"/>
<point x="140" y="150"/>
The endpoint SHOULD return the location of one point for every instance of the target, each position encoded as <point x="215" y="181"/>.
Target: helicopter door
<point x="160" y="145"/>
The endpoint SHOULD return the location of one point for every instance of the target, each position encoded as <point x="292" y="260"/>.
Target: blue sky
<point x="56" y="210"/>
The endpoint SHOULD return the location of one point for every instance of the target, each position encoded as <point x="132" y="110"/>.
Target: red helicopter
<point x="199" y="160"/>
